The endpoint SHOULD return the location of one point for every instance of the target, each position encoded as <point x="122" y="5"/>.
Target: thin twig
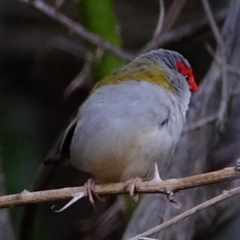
<point x="226" y="68"/>
<point x="164" y="187"/>
<point x="184" y="31"/>
<point x="222" y="61"/>
<point x="200" y="123"/>
<point x="233" y="69"/>
<point x="225" y="94"/>
<point x="83" y="78"/>
<point x="173" y="14"/>
<point x="59" y="3"/>
<point x="76" y="28"/>
<point x="189" y="29"/>
<point x="174" y="220"/>
<point x="213" y="24"/>
<point x="158" y="29"/>
<point x="230" y="68"/>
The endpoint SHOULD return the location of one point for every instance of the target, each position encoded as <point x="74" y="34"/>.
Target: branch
<point x="83" y="78"/>
<point x="214" y="117"/>
<point x="119" y="188"/>
<point x="222" y="62"/>
<point x="172" y="14"/>
<point x="158" y="29"/>
<point x="174" y="220"/>
<point x="213" y="24"/>
<point x="186" y="30"/>
<point x="76" y="28"/>
<point x="233" y="69"/>
<point x="171" y="17"/>
<point x="200" y="123"/>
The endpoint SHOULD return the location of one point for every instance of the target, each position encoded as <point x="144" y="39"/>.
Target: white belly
<point x="121" y="133"/>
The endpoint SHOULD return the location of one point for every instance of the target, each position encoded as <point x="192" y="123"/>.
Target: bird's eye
<point x="187" y="77"/>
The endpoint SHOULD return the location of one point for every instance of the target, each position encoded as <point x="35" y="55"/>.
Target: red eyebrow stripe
<point x="192" y="84"/>
<point x="184" y="70"/>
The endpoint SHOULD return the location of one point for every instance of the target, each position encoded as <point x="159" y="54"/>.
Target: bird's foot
<point x="175" y="203"/>
<point x="131" y="185"/>
<point x="89" y="189"/>
<point x="75" y="198"/>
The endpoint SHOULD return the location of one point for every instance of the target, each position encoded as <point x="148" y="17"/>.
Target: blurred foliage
<point x="99" y="18"/>
<point x="19" y="147"/>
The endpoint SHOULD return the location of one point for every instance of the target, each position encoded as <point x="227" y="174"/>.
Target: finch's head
<point x="174" y="62"/>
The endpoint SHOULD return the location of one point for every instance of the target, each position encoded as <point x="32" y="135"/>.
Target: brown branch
<point x="119" y="188"/>
<point x="174" y="220"/>
<point x="76" y="28"/>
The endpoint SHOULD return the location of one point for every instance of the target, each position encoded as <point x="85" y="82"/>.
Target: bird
<point x="128" y="127"/>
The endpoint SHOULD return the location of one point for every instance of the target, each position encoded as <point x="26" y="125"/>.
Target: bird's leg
<point x="89" y="188"/>
<point x="131" y="185"/>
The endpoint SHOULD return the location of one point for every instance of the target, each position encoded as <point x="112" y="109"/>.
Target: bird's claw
<point x="89" y="189"/>
<point x="237" y="166"/>
<point x="75" y="198"/>
<point x="131" y="185"/>
<point x="170" y="195"/>
<point x="175" y="203"/>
